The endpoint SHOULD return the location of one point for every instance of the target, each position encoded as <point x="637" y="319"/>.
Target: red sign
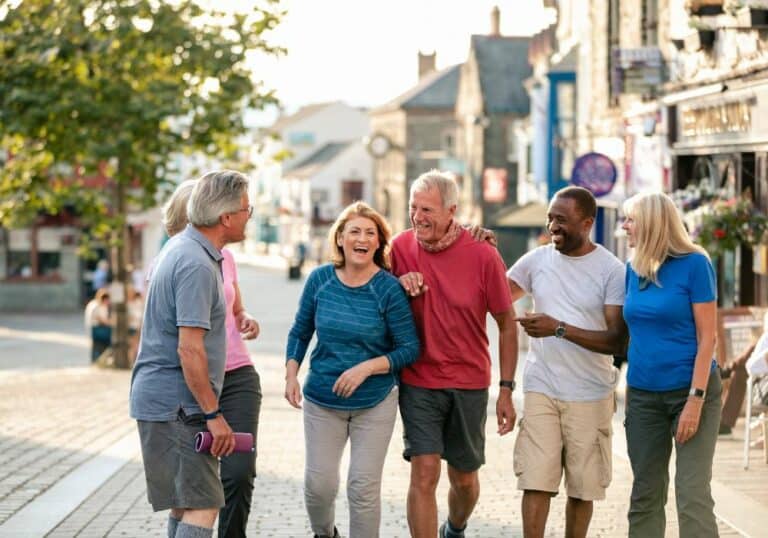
<point x="495" y="185"/>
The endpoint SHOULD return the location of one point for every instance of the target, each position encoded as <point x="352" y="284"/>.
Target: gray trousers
<point x="651" y="423"/>
<point x="325" y="433"/>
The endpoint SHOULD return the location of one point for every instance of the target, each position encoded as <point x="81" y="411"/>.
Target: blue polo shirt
<point x="185" y="290"/>
<point x="662" y="330"/>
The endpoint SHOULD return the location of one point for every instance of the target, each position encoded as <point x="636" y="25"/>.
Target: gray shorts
<point x="449" y="422"/>
<point x="177" y="476"/>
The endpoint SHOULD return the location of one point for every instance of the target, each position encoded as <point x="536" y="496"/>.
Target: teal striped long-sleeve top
<point x="353" y="324"/>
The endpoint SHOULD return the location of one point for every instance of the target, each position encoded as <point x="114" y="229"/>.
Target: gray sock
<point x="185" y="530"/>
<point x="172" y="524"/>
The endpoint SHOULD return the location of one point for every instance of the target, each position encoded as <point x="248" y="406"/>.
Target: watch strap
<point x="508" y="384"/>
<point x="212" y="415"/>
<point x="560" y="329"/>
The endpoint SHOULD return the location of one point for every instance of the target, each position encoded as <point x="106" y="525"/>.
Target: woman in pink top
<point x="240" y="398"/>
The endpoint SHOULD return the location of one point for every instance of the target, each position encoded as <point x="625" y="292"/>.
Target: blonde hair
<point x="360" y="209"/>
<point x="658" y="231"/>
<point x="175" y="209"/>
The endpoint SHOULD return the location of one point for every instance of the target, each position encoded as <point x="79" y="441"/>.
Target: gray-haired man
<point x="179" y="370"/>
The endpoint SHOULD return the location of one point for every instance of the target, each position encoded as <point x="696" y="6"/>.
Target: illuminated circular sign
<point x="595" y="172"/>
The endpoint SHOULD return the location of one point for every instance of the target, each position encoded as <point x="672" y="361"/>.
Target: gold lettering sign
<point x="734" y="117"/>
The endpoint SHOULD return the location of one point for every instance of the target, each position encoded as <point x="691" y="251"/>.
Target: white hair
<point x="442" y="181"/>
<point x="213" y="195"/>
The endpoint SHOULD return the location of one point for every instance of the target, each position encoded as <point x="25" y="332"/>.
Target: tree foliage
<point x="115" y="88"/>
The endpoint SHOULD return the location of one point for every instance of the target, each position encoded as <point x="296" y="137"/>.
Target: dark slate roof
<point x="434" y="91"/>
<point x="503" y="66"/>
<point x="316" y="160"/>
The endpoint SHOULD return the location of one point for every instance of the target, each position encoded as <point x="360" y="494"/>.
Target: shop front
<point x="719" y="143"/>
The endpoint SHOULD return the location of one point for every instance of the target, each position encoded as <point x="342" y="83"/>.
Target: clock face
<point x="379" y="145"/>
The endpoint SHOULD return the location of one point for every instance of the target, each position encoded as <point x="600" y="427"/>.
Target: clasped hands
<point x="344" y="387"/>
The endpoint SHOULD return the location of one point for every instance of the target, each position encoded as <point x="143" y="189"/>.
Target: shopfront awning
<point x="530" y="215"/>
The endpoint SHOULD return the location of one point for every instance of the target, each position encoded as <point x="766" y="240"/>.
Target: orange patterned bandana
<point x="451" y="235"/>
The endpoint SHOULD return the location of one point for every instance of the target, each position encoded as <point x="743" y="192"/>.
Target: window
<point x="614" y="18"/>
<point x="512" y="142"/>
<point x="449" y="143"/>
<point x="566" y="124"/>
<point x="301" y="138"/>
<point x="33" y="254"/>
<point x="649" y="24"/>
<point x="351" y="191"/>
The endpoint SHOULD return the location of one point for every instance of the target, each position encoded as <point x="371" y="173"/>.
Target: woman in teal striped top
<point x="365" y="335"/>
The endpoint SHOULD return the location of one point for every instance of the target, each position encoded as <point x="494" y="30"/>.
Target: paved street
<point x="69" y="462"/>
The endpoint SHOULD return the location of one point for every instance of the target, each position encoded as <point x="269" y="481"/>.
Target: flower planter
<point x="751" y="16"/>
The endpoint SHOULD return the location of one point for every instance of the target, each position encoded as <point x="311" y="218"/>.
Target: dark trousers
<point x="240" y="402"/>
<point x="101" y="339"/>
<point x="651" y="423"/>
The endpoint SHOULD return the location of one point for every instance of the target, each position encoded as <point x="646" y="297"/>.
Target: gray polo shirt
<point x="185" y="290"/>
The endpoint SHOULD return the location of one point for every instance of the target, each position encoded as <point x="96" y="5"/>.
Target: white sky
<point x="364" y="52"/>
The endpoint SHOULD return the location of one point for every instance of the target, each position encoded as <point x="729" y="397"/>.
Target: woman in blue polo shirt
<point x="673" y="388"/>
<point x="365" y="335"/>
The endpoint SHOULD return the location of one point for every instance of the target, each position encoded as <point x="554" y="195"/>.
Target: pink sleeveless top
<point x="237" y="352"/>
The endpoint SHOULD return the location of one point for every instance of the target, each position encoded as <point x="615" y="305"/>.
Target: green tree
<point x="114" y="88"/>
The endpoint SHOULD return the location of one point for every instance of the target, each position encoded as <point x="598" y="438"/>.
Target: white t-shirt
<point x="574" y="290"/>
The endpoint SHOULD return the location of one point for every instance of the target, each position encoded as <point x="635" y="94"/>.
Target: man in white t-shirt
<point x="569" y="378"/>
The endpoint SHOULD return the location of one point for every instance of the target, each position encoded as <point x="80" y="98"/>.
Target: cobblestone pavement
<point x="44" y="440"/>
<point x="56" y="418"/>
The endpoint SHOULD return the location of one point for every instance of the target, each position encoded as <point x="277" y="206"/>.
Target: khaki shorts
<point x="571" y="436"/>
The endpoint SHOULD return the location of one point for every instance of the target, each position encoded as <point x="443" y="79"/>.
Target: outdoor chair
<point x="757" y="396"/>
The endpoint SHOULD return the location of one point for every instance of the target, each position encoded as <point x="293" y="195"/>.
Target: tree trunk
<point x="121" y="277"/>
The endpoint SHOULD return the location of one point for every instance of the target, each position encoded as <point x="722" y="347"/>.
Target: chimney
<point x="426" y="64"/>
<point x="495" y="22"/>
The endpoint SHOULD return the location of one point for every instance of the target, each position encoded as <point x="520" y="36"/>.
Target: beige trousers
<point x="326" y="432"/>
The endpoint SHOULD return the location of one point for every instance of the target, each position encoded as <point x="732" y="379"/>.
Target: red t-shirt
<point x="466" y="281"/>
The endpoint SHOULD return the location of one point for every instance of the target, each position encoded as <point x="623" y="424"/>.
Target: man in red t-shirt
<point x="453" y="282"/>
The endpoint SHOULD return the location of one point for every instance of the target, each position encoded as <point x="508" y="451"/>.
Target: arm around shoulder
<point x="399" y="320"/>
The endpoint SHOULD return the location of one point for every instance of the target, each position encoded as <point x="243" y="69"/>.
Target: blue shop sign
<point x="595" y="172"/>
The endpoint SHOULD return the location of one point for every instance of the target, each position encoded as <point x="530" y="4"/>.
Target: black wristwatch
<point x="697" y="393"/>
<point x="509" y="384"/>
<point x="212" y="415"/>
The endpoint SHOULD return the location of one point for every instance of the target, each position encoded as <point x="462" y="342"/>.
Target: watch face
<point x="560" y="331"/>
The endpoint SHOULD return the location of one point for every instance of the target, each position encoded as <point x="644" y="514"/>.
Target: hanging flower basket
<point x="721" y="224"/>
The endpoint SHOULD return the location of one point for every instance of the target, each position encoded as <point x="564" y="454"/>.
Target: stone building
<point x="411" y="134"/>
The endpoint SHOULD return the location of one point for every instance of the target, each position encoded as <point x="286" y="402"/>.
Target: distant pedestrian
<point x="454" y="282"/>
<point x="569" y="380"/>
<point x="98" y="323"/>
<point x="673" y="386"/>
<point x="100" y="275"/>
<point x="240" y="399"/>
<point x="365" y="335"/>
<point x="179" y="372"/>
